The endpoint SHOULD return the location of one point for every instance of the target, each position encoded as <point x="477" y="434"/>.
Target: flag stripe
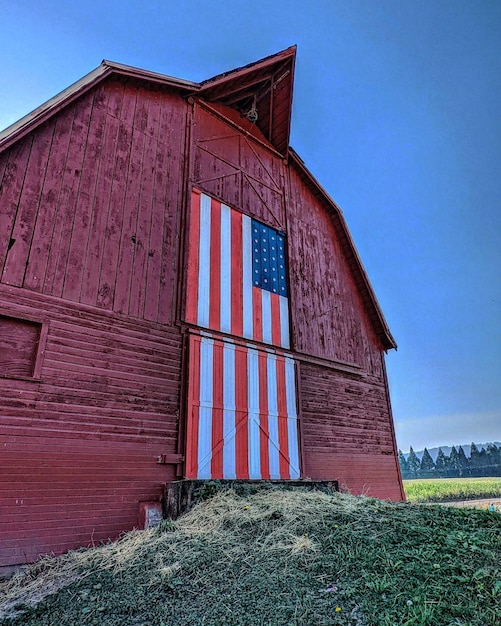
<point x="225" y="281"/>
<point x="276" y="331"/>
<point x="205" y="412"/>
<point x="193" y="411"/>
<point x="204" y="273"/>
<point x="284" y="321"/>
<point x="273" y="441"/>
<point x="283" y="435"/>
<point x="237" y="274"/>
<point x="217" y="410"/>
<point x="242" y="417"/>
<point x="193" y="250"/>
<point x="215" y="283"/>
<point x="263" y="417"/>
<point x="254" y="385"/>
<point x="290" y="389"/>
<point x="242" y="396"/>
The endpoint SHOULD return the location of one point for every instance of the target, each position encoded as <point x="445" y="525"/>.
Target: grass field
<point x="277" y="558"/>
<point x="452" y="489"/>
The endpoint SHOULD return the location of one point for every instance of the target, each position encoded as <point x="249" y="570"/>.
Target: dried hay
<point x="273" y="557"/>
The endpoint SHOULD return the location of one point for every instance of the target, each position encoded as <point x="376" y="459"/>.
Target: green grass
<point x="273" y="558"/>
<point x="450" y="489"/>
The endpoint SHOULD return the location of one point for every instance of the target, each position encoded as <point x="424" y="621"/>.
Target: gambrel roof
<point x="260" y="96"/>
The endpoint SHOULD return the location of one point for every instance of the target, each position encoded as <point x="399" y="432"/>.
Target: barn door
<point x="242" y="418"/>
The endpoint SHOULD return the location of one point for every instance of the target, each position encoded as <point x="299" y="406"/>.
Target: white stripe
<point x="290" y="388"/>
<point x="266" y="308"/>
<point x="284" y="321"/>
<point x="225" y="279"/>
<point x="273" y="442"/>
<point x="229" y="404"/>
<point x="247" y="277"/>
<point x="203" y="262"/>
<point x="205" y="412"/>
<point x="254" y="452"/>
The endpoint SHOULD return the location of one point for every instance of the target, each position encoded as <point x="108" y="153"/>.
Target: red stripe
<point x="215" y="266"/>
<point x="217" y="411"/>
<point x="193" y="262"/>
<point x="263" y="415"/>
<point x="237" y="322"/>
<point x="257" y="314"/>
<point x="193" y="409"/>
<point x="242" y="415"/>
<point x="276" y="337"/>
<point x="283" y="435"/>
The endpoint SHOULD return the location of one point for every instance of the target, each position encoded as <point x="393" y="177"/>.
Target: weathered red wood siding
<point x="79" y="446"/>
<point x="89" y="246"/>
<point x="90" y="202"/>
<point x="347" y="431"/>
<point x="346" y="417"/>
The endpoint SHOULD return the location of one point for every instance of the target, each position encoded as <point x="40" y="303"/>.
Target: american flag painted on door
<point x="242" y="417"/>
<point x="236" y="279"/>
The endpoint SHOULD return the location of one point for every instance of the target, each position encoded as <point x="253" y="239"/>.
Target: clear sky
<point x="397" y="113"/>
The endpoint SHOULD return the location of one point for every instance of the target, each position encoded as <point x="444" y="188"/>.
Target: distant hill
<point x="447" y="449"/>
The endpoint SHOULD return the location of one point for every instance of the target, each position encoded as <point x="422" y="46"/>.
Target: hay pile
<point x="277" y="557"/>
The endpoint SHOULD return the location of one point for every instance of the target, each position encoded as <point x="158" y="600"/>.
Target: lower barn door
<point x="242" y="417"/>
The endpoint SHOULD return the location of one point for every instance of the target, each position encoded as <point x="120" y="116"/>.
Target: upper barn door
<point x="230" y="165"/>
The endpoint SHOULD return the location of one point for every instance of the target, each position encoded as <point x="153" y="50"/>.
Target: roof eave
<point x="39" y="115"/>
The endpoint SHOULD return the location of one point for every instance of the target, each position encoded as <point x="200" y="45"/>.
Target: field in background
<point x="452" y="489"/>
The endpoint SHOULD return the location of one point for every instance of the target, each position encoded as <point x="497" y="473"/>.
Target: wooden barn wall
<point x="90" y="202"/>
<point x="328" y="317"/>
<point x="347" y="431"/>
<point x="80" y="443"/>
<point x="231" y="166"/>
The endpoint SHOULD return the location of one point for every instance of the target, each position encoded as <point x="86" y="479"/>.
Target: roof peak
<point x="261" y="92"/>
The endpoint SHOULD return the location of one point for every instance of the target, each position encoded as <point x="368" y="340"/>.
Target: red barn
<point x="178" y="298"/>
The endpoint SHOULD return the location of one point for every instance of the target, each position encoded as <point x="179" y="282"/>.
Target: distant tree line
<point x="484" y="462"/>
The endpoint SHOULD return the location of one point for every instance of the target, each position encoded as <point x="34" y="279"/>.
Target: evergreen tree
<point x="454" y="459"/>
<point x="404" y="465"/>
<point x="427" y="464"/>
<point x="441" y="462"/>
<point x="413" y="462"/>
<point x="493" y="454"/>
<point x="463" y="461"/>
<point x="483" y="458"/>
<point x="474" y="456"/>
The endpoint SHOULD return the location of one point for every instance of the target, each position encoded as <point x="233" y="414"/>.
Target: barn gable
<point x="121" y="199"/>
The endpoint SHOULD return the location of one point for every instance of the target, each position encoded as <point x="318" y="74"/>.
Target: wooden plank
<point x="159" y="214"/>
<point x="85" y="203"/>
<point x="63" y="225"/>
<point x="29" y="203"/>
<point x="174" y="126"/>
<point x="144" y="217"/>
<point x="114" y="225"/>
<point x="42" y="235"/>
<point x="10" y="192"/>
<point x="128" y="235"/>
<point x="98" y="233"/>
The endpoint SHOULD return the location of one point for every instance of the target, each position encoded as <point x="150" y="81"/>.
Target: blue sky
<point x="397" y="114"/>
